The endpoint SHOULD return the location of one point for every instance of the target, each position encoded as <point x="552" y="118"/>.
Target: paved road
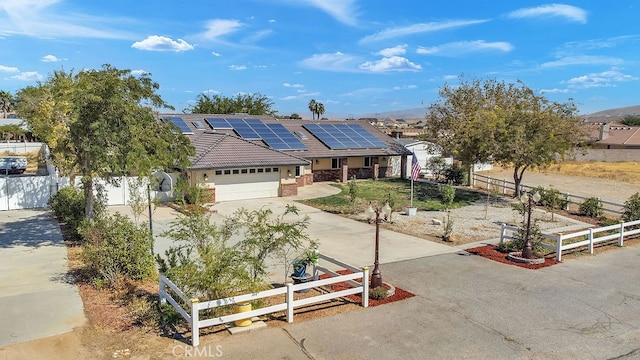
<point x="36" y="300"/>
<point x="468" y="307"/>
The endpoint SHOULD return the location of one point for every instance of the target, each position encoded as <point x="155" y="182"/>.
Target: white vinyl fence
<point x="170" y="293"/>
<point x="507" y="187"/>
<point x="587" y="237"/>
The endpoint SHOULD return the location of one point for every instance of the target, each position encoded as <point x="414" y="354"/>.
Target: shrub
<point x="455" y="174"/>
<point x="378" y="293"/>
<point x="592" y="207"/>
<point x="115" y="248"/>
<point x="517" y="244"/>
<point x="551" y="198"/>
<point x="631" y="210"/>
<point x="447" y="194"/>
<point x="68" y="206"/>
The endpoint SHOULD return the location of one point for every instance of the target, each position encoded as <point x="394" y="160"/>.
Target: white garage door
<point x="246" y="186"/>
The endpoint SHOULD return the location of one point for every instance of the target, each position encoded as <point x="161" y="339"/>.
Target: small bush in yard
<point x="378" y="293"/>
<point x="631" y="210"/>
<point x="592" y="207"/>
<point x="68" y="206"/>
<point x="116" y="248"/>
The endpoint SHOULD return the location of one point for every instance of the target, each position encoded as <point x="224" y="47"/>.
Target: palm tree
<point x="319" y="110"/>
<point x="6" y="101"/>
<point x="313" y="105"/>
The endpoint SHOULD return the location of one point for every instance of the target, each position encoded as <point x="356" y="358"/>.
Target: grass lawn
<point x="397" y="192"/>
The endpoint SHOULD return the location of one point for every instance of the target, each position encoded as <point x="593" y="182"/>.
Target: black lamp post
<point x="528" y="201"/>
<point x="374" y="215"/>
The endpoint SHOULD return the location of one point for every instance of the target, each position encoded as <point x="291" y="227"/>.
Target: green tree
<point x="631" y="120"/>
<point x="102" y="123"/>
<point x="7" y="101"/>
<point x="631" y="210"/>
<point x="320" y="110"/>
<point x="313" y="105"/>
<point x="11" y="131"/>
<point x="252" y="104"/>
<point x="480" y="121"/>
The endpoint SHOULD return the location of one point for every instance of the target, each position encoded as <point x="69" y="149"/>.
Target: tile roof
<point x="223" y="151"/>
<point x="618" y="134"/>
<point x="315" y="148"/>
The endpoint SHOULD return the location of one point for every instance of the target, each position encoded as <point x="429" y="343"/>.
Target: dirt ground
<point x="101" y="339"/>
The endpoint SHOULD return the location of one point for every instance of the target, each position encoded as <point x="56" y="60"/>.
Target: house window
<point x="218" y="172"/>
<point x="297" y="171"/>
<point x="243" y="171"/>
<point x="236" y="171"/>
<point x="227" y="172"/>
<point x="335" y="163"/>
<point x="267" y="170"/>
<point x="368" y="161"/>
<point x="252" y="171"/>
<point x="275" y="170"/>
<point x="260" y="171"/>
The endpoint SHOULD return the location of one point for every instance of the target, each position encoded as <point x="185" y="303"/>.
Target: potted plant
<point x="300" y="274"/>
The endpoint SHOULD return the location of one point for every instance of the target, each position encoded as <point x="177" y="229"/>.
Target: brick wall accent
<point x="212" y="194"/>
<point x="361" y="173"/>
<point x="288" y="189"/>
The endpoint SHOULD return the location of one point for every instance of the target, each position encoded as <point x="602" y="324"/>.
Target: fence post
<point x="289" y="301"/>
<point x="566" y="197"/>
<point x="621" y="239"/>
<point x="162" y="298"/>
<point x="503" y="230"/>
<point x="591" y="241"/>
<point x="559" y="247"/>
<point x="195" y="326"/>
<point x="488" y="183"/>
<point x="504" y="187"/>
<point x="315" y="265"/>
<point x="365" y="286"/>
<point x="474" y="179"/>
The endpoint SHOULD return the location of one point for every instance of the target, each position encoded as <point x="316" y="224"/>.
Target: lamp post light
<point x="528" y="201"/>
<point x="373" y="215"/>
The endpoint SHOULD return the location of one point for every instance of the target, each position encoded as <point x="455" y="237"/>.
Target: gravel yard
<point x="473" y="223"/>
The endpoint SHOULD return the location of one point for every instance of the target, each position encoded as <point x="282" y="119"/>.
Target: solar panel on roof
<point x="179" y="122"/>
<point x="218" y="123"/>
<point x="344" y="136"/>
<point x="243" y="129"/>
<point x="286" y="137"/>
<point x="198" y="125"/>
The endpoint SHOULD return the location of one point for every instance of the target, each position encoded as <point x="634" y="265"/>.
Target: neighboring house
<point x="247" y="156"/>
<point x="614" y="136"/>
<point x="424" y="152"/>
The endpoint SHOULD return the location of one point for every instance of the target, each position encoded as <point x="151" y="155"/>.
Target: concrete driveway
<point x="36" y="300"/>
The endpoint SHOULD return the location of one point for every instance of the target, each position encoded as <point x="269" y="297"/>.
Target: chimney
<point x="604" y="131"/>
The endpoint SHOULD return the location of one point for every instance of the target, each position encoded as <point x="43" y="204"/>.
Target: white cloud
<point x="9" y="69"/>
<point x="393" y="63"/>
<point x="344" y="11"/>
<point x="237" y="67"/>
<point x="338" y="61"/>
<point x="583" y="60"/>
<point x="288" y="85"/>
<point x="211" y="91"/>
<point x="162" y="43"/>
<point x="554" y="91"/>
<point x="393" y="51"/>
<point x="216" y="54"/>
<point x="28" y="76"/>
<point x="418" y="29"/>
<point x="464" y="47"/>
<point x="139" y="72"/>
<point x="40" y="18"/>
<point x="50" y="58"/>
<point x="219" y="27"/>
<point x="405" y="87"/>
<point x="596" y="80"/>
<point x="449" y="77"/>
<point x="569" y="12"/>
<point x="272" y="21"/>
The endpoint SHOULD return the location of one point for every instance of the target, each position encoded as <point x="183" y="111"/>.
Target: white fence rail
<point x="506" y="187"/>
<point x="192" y="314"/>
<point x="587" y="237"/>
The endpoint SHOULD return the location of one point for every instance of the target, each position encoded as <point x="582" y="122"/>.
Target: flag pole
<point x="411" y="190"/>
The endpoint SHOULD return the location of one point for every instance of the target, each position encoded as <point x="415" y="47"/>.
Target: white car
<point x="13" y="165"/>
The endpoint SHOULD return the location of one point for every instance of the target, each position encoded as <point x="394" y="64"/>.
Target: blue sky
<point x="354" y="56"/>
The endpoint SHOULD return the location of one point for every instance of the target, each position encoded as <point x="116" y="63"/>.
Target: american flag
<point x="415" y="168"/>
